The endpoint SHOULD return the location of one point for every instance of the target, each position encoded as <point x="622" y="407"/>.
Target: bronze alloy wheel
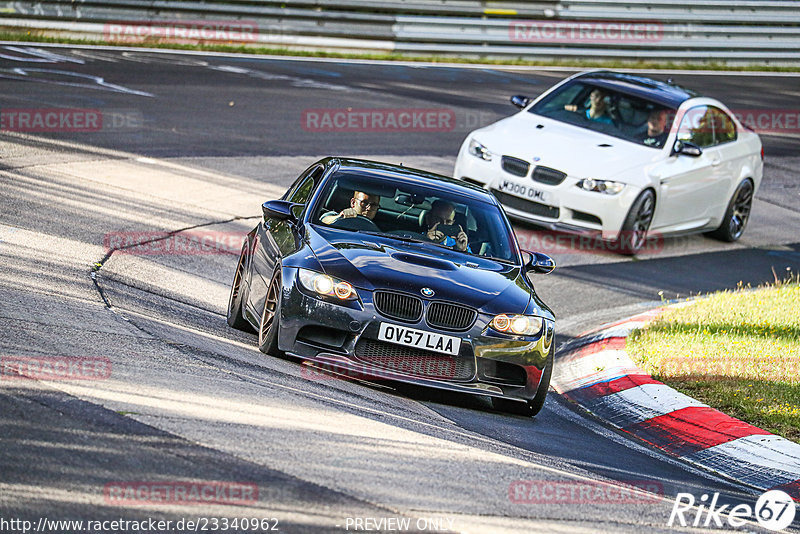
<point x="235" y="300"/>
<point x="270" y="317"/>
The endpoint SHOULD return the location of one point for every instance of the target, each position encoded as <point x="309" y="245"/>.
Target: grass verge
<point x="737" y="351"/>
<point x="38" y="36"/>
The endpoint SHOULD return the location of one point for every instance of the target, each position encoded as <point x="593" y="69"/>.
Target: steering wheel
<point x="359" y="222"/>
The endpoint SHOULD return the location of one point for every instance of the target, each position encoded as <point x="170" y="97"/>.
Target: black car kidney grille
<point x="414" y="362"/>
<point x="515" y="166"/>
<point x="398" y="306"/>
<point x="546" y="175"/>
<point x="450" y="316"/>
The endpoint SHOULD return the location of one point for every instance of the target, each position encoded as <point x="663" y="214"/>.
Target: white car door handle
<point x="715" y="162"/>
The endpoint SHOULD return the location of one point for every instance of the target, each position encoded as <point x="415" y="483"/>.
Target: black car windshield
<point x="377" y="204"/>
<point x="607" y="111"/>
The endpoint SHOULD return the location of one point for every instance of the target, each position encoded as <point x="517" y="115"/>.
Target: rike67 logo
<point x="774" y="510"/>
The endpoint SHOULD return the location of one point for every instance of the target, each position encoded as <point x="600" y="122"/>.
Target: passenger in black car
<point x="443" y="213"/>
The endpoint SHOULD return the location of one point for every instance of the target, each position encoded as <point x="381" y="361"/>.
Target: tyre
<point x="236" y="298"/>
<point x="534" y="406"/>
<point x="270" y="317"/>
<point x="634" y="229"/>
<point x="736" y="216"/>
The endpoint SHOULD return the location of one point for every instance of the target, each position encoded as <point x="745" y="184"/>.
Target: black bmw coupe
<point x="383" y="271"/>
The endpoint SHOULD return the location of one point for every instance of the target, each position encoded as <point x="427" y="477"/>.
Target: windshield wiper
<point x="495" y="258"/>
<point x="396" y="236"/>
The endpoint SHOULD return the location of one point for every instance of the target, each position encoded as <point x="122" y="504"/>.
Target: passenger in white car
<point x="597" y="110"/>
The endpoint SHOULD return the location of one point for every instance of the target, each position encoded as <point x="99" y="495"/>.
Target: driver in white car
<point x="362" y="204"/>
<point x="656" y="133"/>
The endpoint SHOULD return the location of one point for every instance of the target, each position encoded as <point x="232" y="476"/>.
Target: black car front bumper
<point x="343" y="337"/>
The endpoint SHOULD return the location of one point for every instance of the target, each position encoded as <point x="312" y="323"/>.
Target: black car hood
<point x="372" y="262"/>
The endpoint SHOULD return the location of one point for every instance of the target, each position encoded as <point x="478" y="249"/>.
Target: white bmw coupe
<point x="619" y="155"/>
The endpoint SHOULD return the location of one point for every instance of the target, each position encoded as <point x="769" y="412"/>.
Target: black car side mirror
<point x="520" y="101"/>
<point x="279" y="209"/>
<point x="539" y="263"/>
<point x="687" y="149"/>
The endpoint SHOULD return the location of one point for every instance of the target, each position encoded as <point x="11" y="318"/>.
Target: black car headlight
<point x="521" y="325"/>
<point x="325" y="285"/>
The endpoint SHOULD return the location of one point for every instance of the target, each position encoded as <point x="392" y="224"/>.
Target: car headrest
<point x="460" y="219"/>
<point x="339" y="199"/>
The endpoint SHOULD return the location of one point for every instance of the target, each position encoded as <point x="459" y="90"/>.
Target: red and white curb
<point x="599" y="375"/>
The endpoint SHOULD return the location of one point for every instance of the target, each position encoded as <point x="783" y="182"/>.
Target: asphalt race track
<point x="193" y="144"/>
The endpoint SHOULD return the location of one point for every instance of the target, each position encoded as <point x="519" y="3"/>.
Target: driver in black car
<point x="362" y="204"/>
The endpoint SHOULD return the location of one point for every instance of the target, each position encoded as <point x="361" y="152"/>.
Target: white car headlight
<point x="522" y="325"/>
<point x="479" y="151"/>
<point x="601" y="186"/>
<point x="325" y="285"/>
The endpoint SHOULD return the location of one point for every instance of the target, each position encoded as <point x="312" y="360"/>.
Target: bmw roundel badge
<point x="426" y="292"/>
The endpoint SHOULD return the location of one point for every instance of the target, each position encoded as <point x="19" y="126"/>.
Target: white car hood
<point x="579" y="152"/>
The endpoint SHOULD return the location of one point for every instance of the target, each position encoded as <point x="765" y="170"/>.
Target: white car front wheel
<point x="632" y="237"/>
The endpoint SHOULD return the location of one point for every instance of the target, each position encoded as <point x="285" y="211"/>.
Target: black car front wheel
<point x="236" y="298"/>
<point x="270" y="317"/>
<point x="534" y="406"/>
<point x="737" y="214"/>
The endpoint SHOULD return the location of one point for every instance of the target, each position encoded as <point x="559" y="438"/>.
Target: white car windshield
<point x="607" y="111"/>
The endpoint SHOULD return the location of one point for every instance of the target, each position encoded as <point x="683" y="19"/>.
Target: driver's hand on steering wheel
<point x="348" y="213"/>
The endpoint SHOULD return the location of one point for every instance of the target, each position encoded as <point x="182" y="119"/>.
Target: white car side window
<point x="697" y="127"/>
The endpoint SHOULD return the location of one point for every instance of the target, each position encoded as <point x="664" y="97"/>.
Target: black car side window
<point x="303" y="190"/>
